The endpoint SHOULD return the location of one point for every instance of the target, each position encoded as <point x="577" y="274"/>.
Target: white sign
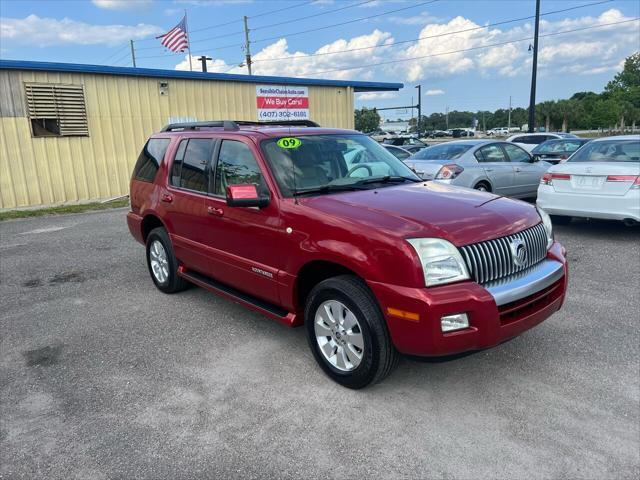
<point x="282" y="102"/>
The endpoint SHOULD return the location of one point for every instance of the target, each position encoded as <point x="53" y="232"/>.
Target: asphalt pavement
<point x="103" y="376"/>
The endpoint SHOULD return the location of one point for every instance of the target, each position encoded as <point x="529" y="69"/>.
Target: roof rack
<point x="232" y="125"/>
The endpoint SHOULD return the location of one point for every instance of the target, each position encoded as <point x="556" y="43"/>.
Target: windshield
<point x="327" y="163"/>
<point x="558" y="146"/>
<point x="445" y="151"/>
<point x="608" y="151"/>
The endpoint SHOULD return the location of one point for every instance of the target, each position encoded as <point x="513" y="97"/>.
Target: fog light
<point x="458" y="321"/>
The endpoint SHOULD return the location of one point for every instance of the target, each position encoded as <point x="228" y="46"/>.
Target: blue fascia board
<point x="228" y="77"/>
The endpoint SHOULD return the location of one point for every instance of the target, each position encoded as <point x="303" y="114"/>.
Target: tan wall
<point x="122" y="113"/>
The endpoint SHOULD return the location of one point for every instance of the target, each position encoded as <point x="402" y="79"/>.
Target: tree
<point x="367" y="120"/>
<point x="624" y="90"/>
<point x="546" y="109"/>
<point x="629" y="76"/>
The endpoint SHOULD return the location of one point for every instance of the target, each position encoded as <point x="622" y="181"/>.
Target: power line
<point x="481" y="27"/>
<point x="281" y="9"/>
<point x="345" y="23"/>
<point x="472" y="48"/>
<point x="115" y="53"/>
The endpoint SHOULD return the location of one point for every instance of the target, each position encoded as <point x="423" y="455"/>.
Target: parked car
<point x="410" y="143"/>
<point x="600" y="180"/>
<point x="438" y="134"/>
<point x="462" y="132"/>
<point x="327" y="229"/>
<point x="500" y="131"/>
<point x="528" y="141"/>
<point x="559" y="149"/>
<point x="486" y="165"/>
<point x="398" y="152"/>
<point x="381" y="135"/>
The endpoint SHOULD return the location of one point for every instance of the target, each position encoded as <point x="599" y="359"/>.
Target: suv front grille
<point x="494" y="259"/>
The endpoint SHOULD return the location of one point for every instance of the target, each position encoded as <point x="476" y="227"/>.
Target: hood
<point x="459" y="215"/>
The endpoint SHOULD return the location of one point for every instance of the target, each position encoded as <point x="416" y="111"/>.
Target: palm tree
<point x="546" y="109"/>
<point x="567" y="109"/>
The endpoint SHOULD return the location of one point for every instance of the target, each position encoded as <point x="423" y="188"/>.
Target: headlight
<point x="441" y="261"/>
<point x="548" y="226"/>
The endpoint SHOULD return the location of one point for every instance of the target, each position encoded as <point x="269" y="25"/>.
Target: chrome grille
<point x="493" y="259"/>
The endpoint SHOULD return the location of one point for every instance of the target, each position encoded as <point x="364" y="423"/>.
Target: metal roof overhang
<point x="226" y="77"/>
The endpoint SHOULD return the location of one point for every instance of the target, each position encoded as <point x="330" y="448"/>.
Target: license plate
<point x="587" y="181"/>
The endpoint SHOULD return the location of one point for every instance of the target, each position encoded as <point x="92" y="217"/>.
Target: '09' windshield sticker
<point x="289" y="142"/>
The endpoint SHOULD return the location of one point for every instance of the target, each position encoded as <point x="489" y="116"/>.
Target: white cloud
<point x="45" y="32"/>
<point x="434" y="92"/>
<point x="121" y="4"/>
<point x="377" y="95"/>
<point x="419" y="19"/>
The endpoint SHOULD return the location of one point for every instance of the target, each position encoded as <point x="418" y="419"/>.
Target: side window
<point x="516" y="154"/>
<point x="493" y="153"/>
<point x="520" y="140"/>
<point x="193" y="174"/>
<point x="236" y="165"/>
<point x="150" y="159"/>
<point x="177" y="163"/>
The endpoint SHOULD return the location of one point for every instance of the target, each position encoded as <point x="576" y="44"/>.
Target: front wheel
<point x="482" y="187"/>
<point x="347" y="332"/>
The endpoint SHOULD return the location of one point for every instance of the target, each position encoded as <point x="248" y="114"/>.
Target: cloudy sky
<point x="466" y="54"/>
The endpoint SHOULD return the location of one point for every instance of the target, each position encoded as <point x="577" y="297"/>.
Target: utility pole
<point x="534" y="72"/>
<point x="203" y="59"/>
<point x="247" y="49"/>
<point x="133" y="54"/>
<point x="509" y="121"/>
<point x="419" y="87"/>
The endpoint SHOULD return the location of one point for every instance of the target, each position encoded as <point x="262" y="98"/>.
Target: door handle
<point x="488" y="169"/>
<point x="166" y="197"/>
<point x="518" y="169"/>
<point x="215" y="211"/>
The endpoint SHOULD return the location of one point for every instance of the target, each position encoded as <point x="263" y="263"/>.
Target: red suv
<point x="325" y="228"/>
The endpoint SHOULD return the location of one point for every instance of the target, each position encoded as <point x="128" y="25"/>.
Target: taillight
<point x="548" y="178"/>
<point x="625" y="178"/>
<point x="449" y="172"/>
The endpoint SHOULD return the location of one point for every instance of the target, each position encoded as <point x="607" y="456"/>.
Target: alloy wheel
<point x="159" y="262"/>
<point x="339" y="335"/>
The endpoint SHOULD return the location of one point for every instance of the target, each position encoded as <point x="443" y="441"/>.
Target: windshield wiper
<point x="388" y="179"/>
<point x="329" y="188"/>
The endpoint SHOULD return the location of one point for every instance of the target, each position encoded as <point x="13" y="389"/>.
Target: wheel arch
<point x="314" y="272"/>
<point x="149" y="222"/>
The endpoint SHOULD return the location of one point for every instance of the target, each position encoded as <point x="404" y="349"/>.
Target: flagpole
<point x="186" y="27"/>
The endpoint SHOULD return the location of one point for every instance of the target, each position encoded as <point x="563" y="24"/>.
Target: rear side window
<point x="190" y="164"/>
<point x="150" y="158"/>
<point x="491" y="153"/>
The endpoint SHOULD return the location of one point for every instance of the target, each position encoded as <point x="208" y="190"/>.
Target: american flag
<point x="176" y="38"/>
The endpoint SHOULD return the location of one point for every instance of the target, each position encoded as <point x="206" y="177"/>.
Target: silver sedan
<point x="488" y="165"/>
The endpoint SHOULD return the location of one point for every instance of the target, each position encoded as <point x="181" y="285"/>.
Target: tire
<point x="560" y="220"/>
<point x="378" y="356"/>
<point x="165" y="277"/>
<point x="482" y="186"/>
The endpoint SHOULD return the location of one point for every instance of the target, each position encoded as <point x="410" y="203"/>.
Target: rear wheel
<point x="347" y="332"/>
<point x="162" y="263"/>
<point x="483" y="187"/>
<point x="559" y="220"/>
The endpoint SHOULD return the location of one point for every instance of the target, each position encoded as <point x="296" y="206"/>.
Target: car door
<point x="183" y="201"/>
<point x="242" y="241"/>
<point x="497" y="168"/>
<point x="527" y="173"/>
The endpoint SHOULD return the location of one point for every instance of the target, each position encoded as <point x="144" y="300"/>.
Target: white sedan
<point x="600" y="180"/>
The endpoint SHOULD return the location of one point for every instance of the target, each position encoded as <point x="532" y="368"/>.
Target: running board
<point x="262" y="306"/>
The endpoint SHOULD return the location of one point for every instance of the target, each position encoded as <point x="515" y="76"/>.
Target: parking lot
<point x="103" y="376"/>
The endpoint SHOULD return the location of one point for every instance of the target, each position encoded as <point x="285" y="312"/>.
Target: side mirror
<point x="534" y="158"/>
<point x="246" y="195"/>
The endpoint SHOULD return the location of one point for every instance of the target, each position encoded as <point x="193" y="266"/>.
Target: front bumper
<point x="497" y="312"/>
<point x="608" y="207"/>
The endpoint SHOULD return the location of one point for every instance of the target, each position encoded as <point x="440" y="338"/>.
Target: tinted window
<point x="531" y="139"/>
<point x="445" y="151"/>
<point x="150" y="158"/>
<point x="491" y="153"/>
<point x="558" y="146"/>
<point x="398" y="153"/>
<point x="194" y="165"/>
<point x="236" y="165"/>
<point x="516" y="154"/>
<point x="608" y="151"/>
